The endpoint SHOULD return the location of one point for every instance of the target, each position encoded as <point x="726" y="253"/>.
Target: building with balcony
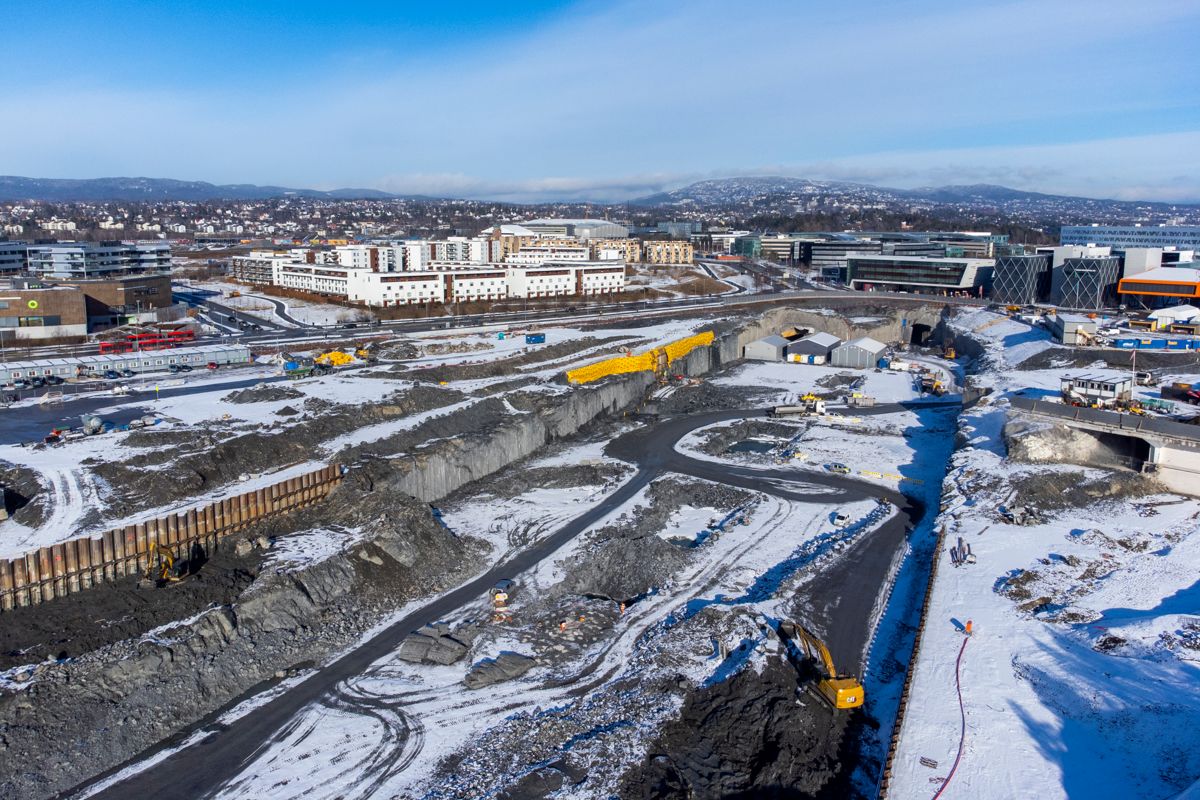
<point x="96" y="259"/>
<point x="667" y="252"/>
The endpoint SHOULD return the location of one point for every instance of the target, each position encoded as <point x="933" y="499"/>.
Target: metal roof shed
<point x="816" y="344"/>
<point x="771" y="348"/>
<point x="861" y="353"/>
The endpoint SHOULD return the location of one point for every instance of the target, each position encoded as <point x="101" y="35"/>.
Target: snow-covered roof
<point x="867" y="343"/>
<point x="1167" y="275"/>
<point x="776" y="341"/>
<point x="822" y="339"/>
<point x="1181" y="313"/>
<point x="510" y="230"/>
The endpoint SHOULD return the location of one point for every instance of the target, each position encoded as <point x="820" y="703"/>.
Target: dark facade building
<point x="1090" y="282"/>
<point x="1022" y="280"/>
<point x="921" y="275"/>
<point x="111" y="301"/>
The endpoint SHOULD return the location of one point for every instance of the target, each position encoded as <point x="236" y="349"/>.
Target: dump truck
<point x="334" y="358"/>
<point x="843" y="692"/>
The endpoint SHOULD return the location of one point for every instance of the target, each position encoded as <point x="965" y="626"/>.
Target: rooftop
<point x="1167" y="275"/>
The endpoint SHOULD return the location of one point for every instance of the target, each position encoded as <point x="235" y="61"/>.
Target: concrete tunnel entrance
<point x="1128" y="452"/>
<point x="920" y="333"/>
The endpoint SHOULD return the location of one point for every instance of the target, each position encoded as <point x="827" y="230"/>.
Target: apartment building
<point x="96" y="259"/>
<point x="627" y="250"/>
<point x="668" y="252"/>
<point x="539" y="253"/>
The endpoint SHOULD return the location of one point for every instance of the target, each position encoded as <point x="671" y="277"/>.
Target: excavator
<point x="161" y="571"/>
<point x="843" y="692"/>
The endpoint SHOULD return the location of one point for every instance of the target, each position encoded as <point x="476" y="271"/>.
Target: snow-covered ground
<point x="1080" y="677"/>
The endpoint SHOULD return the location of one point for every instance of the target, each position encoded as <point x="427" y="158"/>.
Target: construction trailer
<point x="1098" y="389"/>
<point x="1073" y="329"/>
<point x="139" y="362"/>
<point x="770" y="348"/>
<point x="861" y="353"/>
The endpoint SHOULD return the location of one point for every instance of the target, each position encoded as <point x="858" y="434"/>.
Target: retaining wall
<point x="79" y="564"/>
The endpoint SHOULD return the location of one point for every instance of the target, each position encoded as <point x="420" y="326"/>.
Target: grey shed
<point x="770" y="348"/>
<point x="861" y="353"/>
<point x="816" y="344"/>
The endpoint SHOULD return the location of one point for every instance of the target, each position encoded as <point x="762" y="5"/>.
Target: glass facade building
<point x="1090" y="283"/>
<point x="1021" y="280"/>
<point x="1183" y="237"/>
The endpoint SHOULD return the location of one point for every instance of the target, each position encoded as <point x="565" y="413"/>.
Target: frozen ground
<point x="1080" y="677"/>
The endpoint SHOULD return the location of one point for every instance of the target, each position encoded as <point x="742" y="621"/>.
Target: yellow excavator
<point x="840" y="691"/>
<point x="162" y="570"/>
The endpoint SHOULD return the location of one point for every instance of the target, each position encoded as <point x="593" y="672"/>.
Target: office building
<point x="749" y="246"/>
<point x="1181" y="237"/>
<point x="1059" y="256"/>
<point x="12" y="257"/>
<point x="578" y="228"/>
<point x="829" y="257"/>
<point x="1090" y="282"/>
<point x="30" y="310"/>
<point x="781" y="249"/>
<point x="1160" y="287"/>
<point x="678" y="230"/>
<point x="1021" y="280"/>
<point x="920" y="275"/>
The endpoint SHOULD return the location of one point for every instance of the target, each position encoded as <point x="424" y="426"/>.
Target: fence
<point x="79" y="564"/>
<point x="885" y="777"/>
<point x="649" y="361"/>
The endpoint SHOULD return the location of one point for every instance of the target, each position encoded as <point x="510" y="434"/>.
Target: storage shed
<point x="771" y="348"/>
<point x="816" y="344"/>
<point x="1073" y="328"/>
<point x="1166" y="317"/>
<point x="861" y="353"/>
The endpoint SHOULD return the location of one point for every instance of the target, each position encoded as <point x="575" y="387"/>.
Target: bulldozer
<point x="843" y="692"/>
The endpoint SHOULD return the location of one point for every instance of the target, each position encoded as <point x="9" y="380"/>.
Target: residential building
<point x="1021" y="280"/>
<point x="627" y="250"/>
<point x="549" y="254"/>
<point x="919" y="274"/>
<point x="97" y="259"/>
<point x="667" y="252"/>
<point x="1183" y="237"/>
<point x="579" y="228"/>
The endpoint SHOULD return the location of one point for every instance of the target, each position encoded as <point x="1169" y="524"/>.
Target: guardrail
<point x="79" y="564"/>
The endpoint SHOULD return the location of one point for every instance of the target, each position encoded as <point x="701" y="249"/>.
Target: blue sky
<point x="597" y="100"/>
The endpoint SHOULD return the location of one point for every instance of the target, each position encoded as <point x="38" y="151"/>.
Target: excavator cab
<point x="161" y="570"/>
<point x="843" y="692"/>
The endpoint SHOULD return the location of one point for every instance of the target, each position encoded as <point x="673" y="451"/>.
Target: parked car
<point x="211" y="365"/>
<point x="20" y="385"/>
<point x="127" y="373"/>
<point x="185" y="367"/>
<point x="54" y="380"/>
<point x="37" y="382"/>
<point x="838" y="468"/>
<point x="112" y="374"/>
<point x="173" y="369"/>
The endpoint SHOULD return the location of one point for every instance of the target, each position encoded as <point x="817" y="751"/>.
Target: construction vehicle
<point x="840" y="691"/>
<point x="808" y="404"/>
<point x="161" y="569"/>
<point x="365" y="352"/>
<point x="949" y="353"/>
<point x="334" y="358"/>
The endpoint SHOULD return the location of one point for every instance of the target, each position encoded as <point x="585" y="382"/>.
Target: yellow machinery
<point x="840" y="691"/>
<point x="334" y="358"/>
<point x="364" y="351"/>
<point x="163" y="569"/>
<point x="949" y="352"/>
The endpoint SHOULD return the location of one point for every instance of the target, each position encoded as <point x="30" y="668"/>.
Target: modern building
<point x="121" y="299"/>
<point x="538" y="254"/>
<point x="678" y="230"/>
<point x="1162" y="286"/>
<point x="627" y="250"/>
<point x="1164" y="318"/>
<point x="815" y="344"/>
<point x="1021" y="280"/>
<point x="828" y="257"/>
<point x="1059" y="256"/>
<point x="749" y="246"/>
<point x="578" y="228"/>
<point x="31" y="310"/>
<point x="769" y="348"/>
<point x="1090" y="282"/>
<point x="667" y="252"/>
<point x="1073" y="329"/>
<point x="97" y="259"/>
<point x="12" y="257"/>
<point x="1183" y="237"/>
<point x="781" y="249"/>
<point x="919" y="274"/>
<point x="861" y="353"/>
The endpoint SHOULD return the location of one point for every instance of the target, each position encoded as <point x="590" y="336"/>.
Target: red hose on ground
<point x="962" y="736"/>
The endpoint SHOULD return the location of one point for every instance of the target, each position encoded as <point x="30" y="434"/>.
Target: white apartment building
<point x="537" y="254"/>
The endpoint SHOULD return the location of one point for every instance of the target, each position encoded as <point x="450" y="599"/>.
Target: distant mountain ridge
<point x="16" y="188"/>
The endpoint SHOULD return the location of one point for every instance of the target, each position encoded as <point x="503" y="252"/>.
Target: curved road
<point x="202" y="769"/>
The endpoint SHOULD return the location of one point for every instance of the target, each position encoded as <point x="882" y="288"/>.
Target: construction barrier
<point x="78" y="564"/>
<point x="649" y="361"/>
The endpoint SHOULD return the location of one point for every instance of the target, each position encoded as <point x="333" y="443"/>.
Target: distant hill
<point x="14" y="188"/>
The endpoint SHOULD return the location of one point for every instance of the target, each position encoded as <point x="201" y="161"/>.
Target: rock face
<point x="745" y="737"/>
<point x="503" y="667"/>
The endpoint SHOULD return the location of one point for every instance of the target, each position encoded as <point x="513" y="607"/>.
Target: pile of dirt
<point x="708" y="396"/>
<point x="1061" y="357"/>
<point x="263" y="393"/>
<point x="629" y="558"/>
<point x="22" y="492"/>
<point x="719" y="441"/>
<point x="743" y="737"/>
<point x="1057" y="490"/>
<point x="398" y="351"/>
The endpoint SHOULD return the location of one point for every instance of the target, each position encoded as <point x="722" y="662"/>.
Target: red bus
<point x="137" y="342"/>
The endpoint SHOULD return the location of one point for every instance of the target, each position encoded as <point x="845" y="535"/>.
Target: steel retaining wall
<point x="79" y="564"/>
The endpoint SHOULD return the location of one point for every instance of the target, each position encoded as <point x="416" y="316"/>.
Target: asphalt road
<point x="201" y="769"/>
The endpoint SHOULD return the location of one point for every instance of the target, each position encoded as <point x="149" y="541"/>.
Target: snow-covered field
<point x="1080" y="677"/>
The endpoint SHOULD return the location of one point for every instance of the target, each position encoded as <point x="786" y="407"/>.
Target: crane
<point x="840" y="691"/>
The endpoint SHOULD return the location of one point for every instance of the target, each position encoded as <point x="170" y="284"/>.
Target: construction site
<point x="635" y="558"/>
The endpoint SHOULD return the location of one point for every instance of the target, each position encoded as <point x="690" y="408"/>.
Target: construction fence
<point x="79" y="564"/>
<point x="649" y="361"/>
